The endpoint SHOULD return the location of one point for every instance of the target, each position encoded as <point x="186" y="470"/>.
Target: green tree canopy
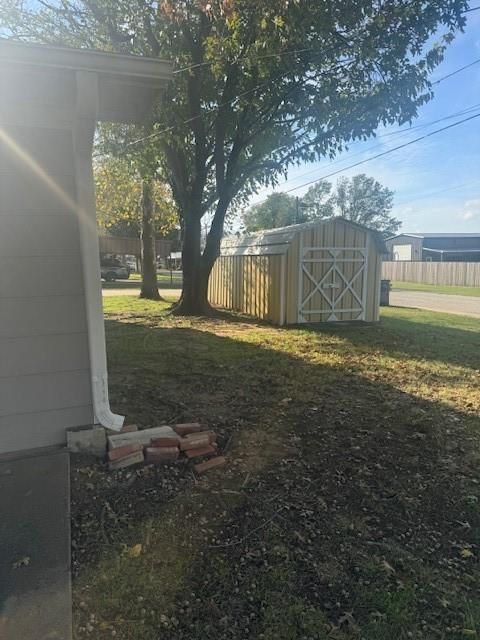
<point x="364" y="200"/>
<point x="119" y="200"/>
<point x="361" y="199"/>
<point x="259" y="86"/>
<point x="278" y="210"/>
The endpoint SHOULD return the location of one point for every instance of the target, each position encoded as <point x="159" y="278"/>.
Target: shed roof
<point x="277" y="241"/>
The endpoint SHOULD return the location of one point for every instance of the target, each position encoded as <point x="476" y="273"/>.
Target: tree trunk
<point x="149" y="288"/>
<point x="196" y="272"/>
<point x="197" y="266"/>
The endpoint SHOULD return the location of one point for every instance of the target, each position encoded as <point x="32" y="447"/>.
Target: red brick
<point x="198" y="453"/>
<point x="212" y="436"/>
<point x="194" y="443"/>
<point x="187" y="427"/>
<point x="158" y="455"/>
<point x="121" y="452"/>
<point x="213" y="463"/>
<point x="167" y="441"/>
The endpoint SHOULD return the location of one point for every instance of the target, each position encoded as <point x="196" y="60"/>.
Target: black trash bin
<point x="385" y="287"/>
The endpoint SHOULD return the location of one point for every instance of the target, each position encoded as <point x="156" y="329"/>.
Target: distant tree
<point x="364" y="200"/>
<point x="361" y="199"/>
<point x="138" y="205"/>
<point x="318" y="202"/>
<point x="118" y="193"/>
<point x="278" y="210"/>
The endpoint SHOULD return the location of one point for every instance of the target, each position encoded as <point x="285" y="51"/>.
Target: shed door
<point x="332" y="284"/>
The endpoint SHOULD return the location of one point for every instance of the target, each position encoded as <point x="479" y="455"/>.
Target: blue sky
<point x="447" y="162"/>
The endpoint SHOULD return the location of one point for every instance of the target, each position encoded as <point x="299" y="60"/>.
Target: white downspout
<point x="84" y="131"/>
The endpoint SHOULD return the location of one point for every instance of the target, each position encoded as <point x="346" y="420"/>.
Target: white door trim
<point x="333" y="256"/>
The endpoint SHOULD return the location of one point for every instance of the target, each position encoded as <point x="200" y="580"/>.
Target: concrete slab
<point x="35" y="586"/>
<point x="89" y="440"/>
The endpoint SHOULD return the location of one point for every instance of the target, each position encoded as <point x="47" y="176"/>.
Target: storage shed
<point x="325" y="271"/>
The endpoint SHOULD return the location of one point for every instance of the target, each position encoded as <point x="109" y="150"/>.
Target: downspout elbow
<point x="101" y="405"/>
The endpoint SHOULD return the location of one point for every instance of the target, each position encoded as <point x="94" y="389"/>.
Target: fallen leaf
<point x="135" y="551"/>
<point x="388" y="567"/>
<point x="466" y="553"/>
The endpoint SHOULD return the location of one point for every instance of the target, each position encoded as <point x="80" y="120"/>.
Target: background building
<point x="434" y="247"/>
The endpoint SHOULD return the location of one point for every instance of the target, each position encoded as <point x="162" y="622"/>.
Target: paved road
<point x="460" y="305"/>
<point x="166" y="293"/>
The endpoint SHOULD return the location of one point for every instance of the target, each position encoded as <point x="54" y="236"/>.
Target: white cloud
<point x="471" y="210"/>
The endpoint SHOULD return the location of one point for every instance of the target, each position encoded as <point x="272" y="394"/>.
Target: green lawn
<point x="350" y="506"/>
<point x="432" y="288"/>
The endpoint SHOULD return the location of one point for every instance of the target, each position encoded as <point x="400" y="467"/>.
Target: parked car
<point x="112" y="269"/>
<point x="131" y="263"/>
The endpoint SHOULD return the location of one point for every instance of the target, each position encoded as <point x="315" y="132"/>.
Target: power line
<point x="216" y="108"/>
<point x="454" y="73"/>
<point x="434" y="193"/>
<point x="277" y="54"/>
<point x="245" y="93"/>
<point x="384" y="153"/>
<point x="403" y="132"/>
<point x="193" y="118"/>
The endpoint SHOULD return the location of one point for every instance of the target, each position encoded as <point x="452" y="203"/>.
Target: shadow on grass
<point x="348" y="504"/>
<point x="415" y="335"/>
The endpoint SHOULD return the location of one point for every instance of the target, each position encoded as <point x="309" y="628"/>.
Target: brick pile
<point x="162" y="445"/>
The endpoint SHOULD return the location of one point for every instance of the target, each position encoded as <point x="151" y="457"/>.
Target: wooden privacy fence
<point x="457" y="274"/>
<point x="131" y="246"/>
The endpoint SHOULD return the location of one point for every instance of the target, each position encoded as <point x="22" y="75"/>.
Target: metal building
<point x="326" y="271"/>
<point x="434" y="247"/>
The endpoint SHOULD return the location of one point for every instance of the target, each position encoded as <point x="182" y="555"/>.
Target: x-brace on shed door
<point x="332" y="284"/>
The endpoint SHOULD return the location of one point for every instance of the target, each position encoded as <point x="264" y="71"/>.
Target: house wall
<point x="45" y="382"/>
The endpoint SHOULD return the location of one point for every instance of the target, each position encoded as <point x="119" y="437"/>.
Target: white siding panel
<point x="44" y="392"/>
<point x="27" y="431"/>
<point x="40" y="277"/>
<point x="42" y="316"/>
<point x="50" y="149"/>
<point x="43" y="354"/>
<point x="24" y="236"/>
<point x="26" y="193"/>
